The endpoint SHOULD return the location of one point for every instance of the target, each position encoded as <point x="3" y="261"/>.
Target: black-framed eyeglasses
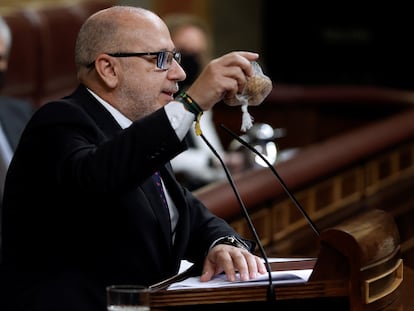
<point x="164" y="58"/>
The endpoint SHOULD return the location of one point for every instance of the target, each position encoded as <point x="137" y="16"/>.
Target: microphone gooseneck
<point x="282" y="183"/>
<point x="270" y="291"/>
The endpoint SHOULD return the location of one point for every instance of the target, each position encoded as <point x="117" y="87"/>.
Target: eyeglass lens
<point x="165" y="59"/>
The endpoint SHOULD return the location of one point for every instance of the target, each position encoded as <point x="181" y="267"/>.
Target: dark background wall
<point x="344" y="43"/>
<point x="302" y="42"/>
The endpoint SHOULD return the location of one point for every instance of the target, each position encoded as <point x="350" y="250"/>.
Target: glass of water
<point x="128" y="298"/>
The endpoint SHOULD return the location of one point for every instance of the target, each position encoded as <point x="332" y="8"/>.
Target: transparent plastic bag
<point x="256" y="90"/>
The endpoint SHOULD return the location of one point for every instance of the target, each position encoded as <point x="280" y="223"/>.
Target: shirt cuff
<point x="180" y="118"/>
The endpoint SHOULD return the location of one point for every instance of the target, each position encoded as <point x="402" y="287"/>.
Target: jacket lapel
<point x="160" y="211"/>
<point x="175" y="191"/>
<point x="110" y="127"/>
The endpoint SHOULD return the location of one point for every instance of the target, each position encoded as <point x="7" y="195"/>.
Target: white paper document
<point x="278" y="277"/>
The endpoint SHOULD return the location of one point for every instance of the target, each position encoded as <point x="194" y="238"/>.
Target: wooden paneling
<point x="371" y="166"/>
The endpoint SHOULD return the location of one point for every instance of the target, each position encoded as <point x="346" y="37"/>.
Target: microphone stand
<point x="282" y="183"/>
<point x="270" y="289"/>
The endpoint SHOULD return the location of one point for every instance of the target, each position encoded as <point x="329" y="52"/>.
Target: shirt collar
<point x="123" y="121"/>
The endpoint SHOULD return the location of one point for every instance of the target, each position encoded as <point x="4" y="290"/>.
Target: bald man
<point x="81" y="208"/>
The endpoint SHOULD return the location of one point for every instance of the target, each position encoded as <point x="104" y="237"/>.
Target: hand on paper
<point x="232" y="259"/>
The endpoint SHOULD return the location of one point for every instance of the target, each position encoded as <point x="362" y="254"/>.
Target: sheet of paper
<point x="278" y="277"/>
<point x="186" y="264"/>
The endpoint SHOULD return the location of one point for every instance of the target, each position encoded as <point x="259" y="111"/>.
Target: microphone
<point x="270" y="290"/>
<point x="272" y="168"/>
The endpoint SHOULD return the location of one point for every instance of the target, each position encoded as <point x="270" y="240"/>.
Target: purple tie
<point x="157" y="180"/>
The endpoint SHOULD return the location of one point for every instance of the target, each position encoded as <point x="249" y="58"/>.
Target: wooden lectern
<point x="358" y="268"/>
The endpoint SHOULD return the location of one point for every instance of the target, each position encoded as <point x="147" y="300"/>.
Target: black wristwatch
<point x="233" y="241"/>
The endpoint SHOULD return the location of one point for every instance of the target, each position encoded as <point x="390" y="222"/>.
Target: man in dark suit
<point x="14" y="113"/>
<point x="81" y="210"/>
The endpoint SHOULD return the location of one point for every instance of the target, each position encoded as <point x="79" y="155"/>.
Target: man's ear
<point x="106" y="68"/>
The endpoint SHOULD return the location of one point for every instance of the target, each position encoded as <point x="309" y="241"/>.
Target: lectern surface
<point x="358" y="268"/>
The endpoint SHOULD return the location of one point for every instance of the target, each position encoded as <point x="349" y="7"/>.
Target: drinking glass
<point x="128" y="298"/>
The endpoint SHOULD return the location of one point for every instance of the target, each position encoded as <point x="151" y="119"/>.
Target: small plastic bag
<point x="256" y="90"/>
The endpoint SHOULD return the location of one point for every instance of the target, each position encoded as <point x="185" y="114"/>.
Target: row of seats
<point x="42" y="65"/>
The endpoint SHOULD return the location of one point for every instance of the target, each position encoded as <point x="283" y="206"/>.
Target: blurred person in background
<point x="14" y="113"/>
<point x="198" y="166"/>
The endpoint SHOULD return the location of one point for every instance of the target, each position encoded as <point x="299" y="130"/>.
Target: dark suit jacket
<point x="14" y="114"/>
<point x="81" y="211"/>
